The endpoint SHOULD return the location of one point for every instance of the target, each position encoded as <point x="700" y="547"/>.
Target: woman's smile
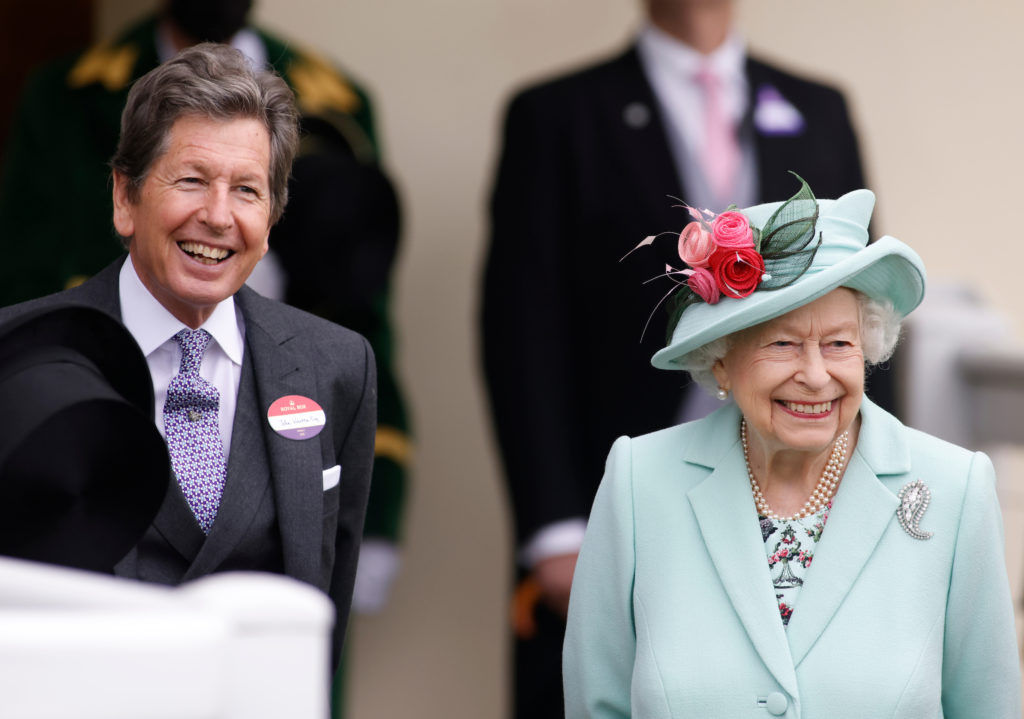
<point x="804" y="409"/>
<point x="798" y="378"/>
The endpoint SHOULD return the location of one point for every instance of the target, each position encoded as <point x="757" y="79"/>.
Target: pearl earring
<point x="722" y="394"/>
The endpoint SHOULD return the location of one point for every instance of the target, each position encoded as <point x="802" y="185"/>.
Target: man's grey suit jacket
<point x="275" y="514"/>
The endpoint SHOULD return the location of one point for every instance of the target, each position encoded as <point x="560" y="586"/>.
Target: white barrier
<point x="78" y="645"/>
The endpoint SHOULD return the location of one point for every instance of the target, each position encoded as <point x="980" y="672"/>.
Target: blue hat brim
<point x="885" y="270"/>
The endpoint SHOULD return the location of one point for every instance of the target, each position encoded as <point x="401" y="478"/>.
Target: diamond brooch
<point x="914" y="500"/>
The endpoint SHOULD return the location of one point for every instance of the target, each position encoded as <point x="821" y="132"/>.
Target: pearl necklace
<point x="822" y="494"/>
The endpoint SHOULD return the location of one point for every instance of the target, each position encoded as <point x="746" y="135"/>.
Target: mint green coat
<point x="673" y="613"/>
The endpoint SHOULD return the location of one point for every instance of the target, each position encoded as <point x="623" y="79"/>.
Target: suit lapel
<point x="728" y="523"/>
<point x="102" y="291"/>
<point x="862" y="511"/>
<point x="630" y="103"/>
<point x="248" y="478"/>
<point x="773" y="153"/>
<point x="295" y="466"/>
<point x="174" y="521"/>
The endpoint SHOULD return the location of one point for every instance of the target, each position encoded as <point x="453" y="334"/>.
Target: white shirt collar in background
<point x="245" y="40"/>
<point x="671" y="66"/>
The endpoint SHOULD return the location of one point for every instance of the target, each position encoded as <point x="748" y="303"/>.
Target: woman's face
<point x="799" y="378"/>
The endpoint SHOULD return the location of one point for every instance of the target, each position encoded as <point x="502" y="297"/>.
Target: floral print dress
<point x="790" y="544"/>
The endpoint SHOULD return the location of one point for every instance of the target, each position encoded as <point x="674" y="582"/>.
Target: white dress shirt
<point x="153" y="328"/>
<point x="671" y="67"/>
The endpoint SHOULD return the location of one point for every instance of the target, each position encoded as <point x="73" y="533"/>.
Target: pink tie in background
<point x="720" y="154"/>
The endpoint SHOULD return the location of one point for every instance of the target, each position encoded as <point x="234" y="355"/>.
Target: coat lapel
<point x="773" y="153"/>
<point x="280" y="368"/>
<point x="174" y="521"/>
<point x="728" y="523"/>
<point x="248" y="478"/>
<point x="102" y="291"/>
<point x="862" y="511"/>
<point x="643" y="148"/>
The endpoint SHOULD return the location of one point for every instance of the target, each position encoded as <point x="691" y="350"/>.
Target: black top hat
<point x="83" y="469"/>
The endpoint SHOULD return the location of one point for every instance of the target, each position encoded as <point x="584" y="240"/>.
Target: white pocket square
<point x="775" y="116"/>
<point x="332" y="476"/>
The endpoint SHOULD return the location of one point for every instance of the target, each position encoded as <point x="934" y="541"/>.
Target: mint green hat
<point x="885" y="270"/>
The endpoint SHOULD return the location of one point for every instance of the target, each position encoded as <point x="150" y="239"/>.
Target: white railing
<point x="78" y="645"/>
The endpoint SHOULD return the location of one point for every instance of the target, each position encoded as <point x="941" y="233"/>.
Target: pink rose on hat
<point x="695" y="245"/>
<point x="732" y="230"/>
<point x="703" y="283"/>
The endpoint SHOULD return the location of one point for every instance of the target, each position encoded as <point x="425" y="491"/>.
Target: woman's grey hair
<point x="214" y="81"/>
<point x="879" y="332"/>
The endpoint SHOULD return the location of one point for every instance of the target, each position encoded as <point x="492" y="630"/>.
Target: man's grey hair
<point x="214" y="81"/>
<point x="879" y="332"/>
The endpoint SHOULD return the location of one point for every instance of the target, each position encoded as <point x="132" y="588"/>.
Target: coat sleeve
<point x="600" y="641"/>
<point x="528" y="352"/>
<point x="980" y="668"/>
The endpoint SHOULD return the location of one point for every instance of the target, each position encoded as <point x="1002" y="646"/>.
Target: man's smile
<point x="204" y="253"/>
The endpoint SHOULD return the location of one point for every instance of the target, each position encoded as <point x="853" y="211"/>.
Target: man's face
<point x="202" y="219"/>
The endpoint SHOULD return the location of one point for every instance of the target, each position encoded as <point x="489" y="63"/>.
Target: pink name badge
<point x="296" y="417"/>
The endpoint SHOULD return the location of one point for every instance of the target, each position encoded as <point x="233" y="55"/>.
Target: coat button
<point x="776" y="704"/>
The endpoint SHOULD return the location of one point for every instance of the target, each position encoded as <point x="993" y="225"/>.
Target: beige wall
<point x="935" y="92"/>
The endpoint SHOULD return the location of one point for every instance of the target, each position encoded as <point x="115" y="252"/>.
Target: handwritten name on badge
<point x="296" y="417"/>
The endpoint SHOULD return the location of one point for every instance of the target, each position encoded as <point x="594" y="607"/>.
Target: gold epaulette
<point x="394" y="444"/>
<point x="75" y="281"/>
<point x="110" y="65"/>
<point x="319" y="88"/>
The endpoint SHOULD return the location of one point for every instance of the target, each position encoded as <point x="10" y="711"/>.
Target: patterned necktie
<point x="193" y="430"/>
<point x="720" y="154"/>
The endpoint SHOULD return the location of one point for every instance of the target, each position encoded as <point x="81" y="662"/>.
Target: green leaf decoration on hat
<point x="787" y="244"/>
<point x="786" y="239"/>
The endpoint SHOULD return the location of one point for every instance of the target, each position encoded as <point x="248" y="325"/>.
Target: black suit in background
<point x="582" y="181"/>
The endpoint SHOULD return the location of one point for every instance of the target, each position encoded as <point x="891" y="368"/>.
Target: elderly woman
<point x="695" y="594"/>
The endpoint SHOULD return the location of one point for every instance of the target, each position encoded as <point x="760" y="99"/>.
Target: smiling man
<point x="269" y="413"/>
<point x="201" y="220"/>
